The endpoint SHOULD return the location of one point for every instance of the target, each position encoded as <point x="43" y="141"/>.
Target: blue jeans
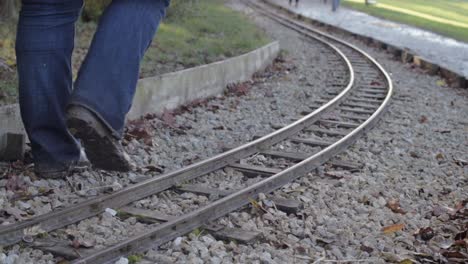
<point x="106" y="81"/>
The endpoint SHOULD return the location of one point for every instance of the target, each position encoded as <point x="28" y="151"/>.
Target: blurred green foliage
<point x="182" y="8"/>
<point x="93" y="9"/>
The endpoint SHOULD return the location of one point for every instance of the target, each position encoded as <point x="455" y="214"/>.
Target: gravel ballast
<point x="414" y="155"/>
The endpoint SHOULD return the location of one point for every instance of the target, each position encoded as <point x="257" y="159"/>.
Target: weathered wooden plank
<point x="296" y="156"/>
<point x="364" y="100"/>
<point x="356" y="110"/>
<point x="372" y="96"/>
<point x="250" y="170"/>
<point x="198" y="189"/>
<point x="59" y="248"/>
<point x="354" y="117"/>
<point x="286" y="205"/>
<point x="361" y="105"/>
<point x="311" y="142"/>
<point x="372" y="91"/>
<point x="240" y="235"/>
<point x="326" y="132"/>
<point x="338" y="123"/>
<point x="345" y="165"/>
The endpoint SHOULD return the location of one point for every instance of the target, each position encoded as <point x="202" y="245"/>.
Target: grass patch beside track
<point x="207" y="31"/>
<point x="446" y="17"/>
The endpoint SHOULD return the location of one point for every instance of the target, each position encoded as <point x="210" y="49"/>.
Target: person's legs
<point x="107" y="79"/>
<point x="44" y="45"/>
<point x="335" y="5"/>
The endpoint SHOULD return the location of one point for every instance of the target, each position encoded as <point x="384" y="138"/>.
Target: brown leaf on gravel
<point x="15" y="183"/>
<point x="454" y="254"/>
<point x="461" y="243"/>
<point x="394" y="205"/>
<point x="168" y="118"/>
<point x="138" y="129"/>
<point x="460" y="205"/>
<point x="423" y="119"/>
<point x="239" y="88"/>
<point x="393" y="228"/>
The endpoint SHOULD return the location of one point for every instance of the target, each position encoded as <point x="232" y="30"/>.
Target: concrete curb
<point x="168" y="91"/>
<point x="452" y="78"/>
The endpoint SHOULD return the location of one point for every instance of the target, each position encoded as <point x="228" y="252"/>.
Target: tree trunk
<point x="8" y="9"/>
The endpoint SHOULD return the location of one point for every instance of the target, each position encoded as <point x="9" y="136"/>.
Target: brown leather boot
<point x="102" y="149"/>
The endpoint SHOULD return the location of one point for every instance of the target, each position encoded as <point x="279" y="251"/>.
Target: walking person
<point x="297" y="2"/>
<point x="95" y="109"/>
<point x="335" y="5"/>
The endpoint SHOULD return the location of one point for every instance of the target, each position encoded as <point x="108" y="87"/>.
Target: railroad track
<point x="335" y="122"/>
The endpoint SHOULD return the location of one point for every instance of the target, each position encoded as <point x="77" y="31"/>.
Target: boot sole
<point x="103" y="151"/>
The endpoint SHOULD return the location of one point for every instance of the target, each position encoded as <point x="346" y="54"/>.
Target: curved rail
<point x="169" y="230"/>
<point x="159" y="234"/>
<point x="14" y="233"/>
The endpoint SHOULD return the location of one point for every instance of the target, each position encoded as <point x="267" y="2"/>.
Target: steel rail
<point x="14" y="233"/>
<point x="184" y="224"/>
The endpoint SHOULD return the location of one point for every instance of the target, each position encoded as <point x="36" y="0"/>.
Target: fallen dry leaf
<point x="393" y="228"/>
<point x="168" y="118"/>
<point x="406" y="261"/>
<point x="423" y="119"/>
<point x="394" y="205"/>
<point x="138" y="129"/>
<point x="454" y="254"/>
<point x="440" y="156"/>
<point x="239" y="88"/>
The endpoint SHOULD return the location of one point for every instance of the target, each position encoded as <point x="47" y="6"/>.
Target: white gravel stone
<point x="122" y="261"/>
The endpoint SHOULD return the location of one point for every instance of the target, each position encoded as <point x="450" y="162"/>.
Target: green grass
<point x="446" y="17"/>
<point x="195" y="32"/>
<point x="208" y="33"/>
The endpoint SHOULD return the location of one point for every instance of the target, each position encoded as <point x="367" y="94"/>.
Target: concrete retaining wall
<point x="168" y="91"/>
<point x="171" y="90"/>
